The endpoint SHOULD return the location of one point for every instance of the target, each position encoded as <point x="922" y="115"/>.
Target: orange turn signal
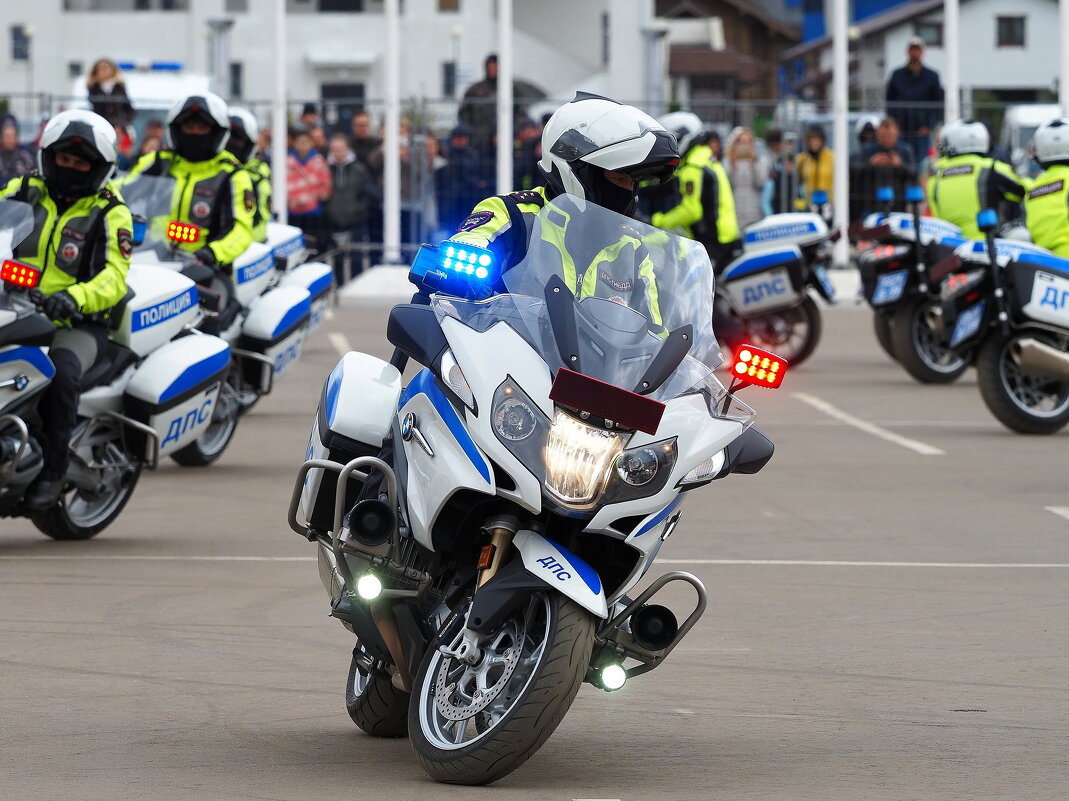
<point x="759" y="367"/>
<point x="182" y="232"/>
<point x="18" y="274"/>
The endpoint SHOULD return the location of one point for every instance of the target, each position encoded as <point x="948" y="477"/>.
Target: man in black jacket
<point x="914" y="99"/>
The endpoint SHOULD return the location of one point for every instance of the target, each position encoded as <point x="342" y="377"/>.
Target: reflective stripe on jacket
<point x="706" y="209"/>
<point x="962" y="186"/>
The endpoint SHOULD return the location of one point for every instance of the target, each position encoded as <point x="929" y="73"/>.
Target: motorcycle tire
<point x="919" y="351"/>
<point x="881" y="327"/>
<point x="375" y="705"/>
<point x="765" y="333"/>
<point x="80" y="515"/>
<point x="209" y="446"/>
<point x="525" y="707"/>
<point x="1023" y="402"/>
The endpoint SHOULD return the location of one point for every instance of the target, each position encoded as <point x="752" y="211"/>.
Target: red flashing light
<point x="21" y="275"/>
<point x="182" y="232"/>
<point x="759" y="367"/>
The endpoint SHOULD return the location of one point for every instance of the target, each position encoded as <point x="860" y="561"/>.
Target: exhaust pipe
<point x="1034" y="356"/>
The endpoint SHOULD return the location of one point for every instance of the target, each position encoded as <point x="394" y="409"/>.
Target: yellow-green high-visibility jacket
<point x="84" y="250"/>
<point x="1047" y="208"/>
<point x="504" y="224"/>
<point x="706" y="210"/>
<point x="260" y="174"/>
<point x="216" y="195"/>
<point x="962" y="186"/>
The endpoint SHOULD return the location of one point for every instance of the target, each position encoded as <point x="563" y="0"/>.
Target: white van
<point x="1019" y="124"/>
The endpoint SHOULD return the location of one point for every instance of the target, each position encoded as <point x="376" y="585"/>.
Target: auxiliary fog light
<point x="613" y="677"/>
<point x="368" y="587"/>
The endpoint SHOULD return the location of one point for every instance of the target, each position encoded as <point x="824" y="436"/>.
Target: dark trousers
<point x="74" y="352"/>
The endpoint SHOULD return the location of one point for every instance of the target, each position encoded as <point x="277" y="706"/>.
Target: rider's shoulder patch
<point x="475" y="220"/>
<point x="126" y="243"/>
<point x="527" y="196"/>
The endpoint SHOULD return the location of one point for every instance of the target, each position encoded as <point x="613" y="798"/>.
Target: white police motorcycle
<point x="480" y="529"/>
<point x="151" y="394"/>
<point x="264" y="318"/>
<point x="765" y="296"/>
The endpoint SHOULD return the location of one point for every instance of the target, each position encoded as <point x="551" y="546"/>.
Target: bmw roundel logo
<point x="21" y="381"/>
<point x="407" y="425"/>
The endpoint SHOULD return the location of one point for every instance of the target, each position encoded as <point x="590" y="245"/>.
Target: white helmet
<point x="591" y="135"/>
<point x="206" y="107"/>
<point x="244" y="134"/>
<point x="964" y="136"/>
<point x="1051" y="141"/>
<point x="86" y="135"/>
<point x="684" y="126"/>
<point x="866" y="121"/>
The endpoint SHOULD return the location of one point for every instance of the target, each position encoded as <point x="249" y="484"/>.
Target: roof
<point x="875" y="24"/>
<point x="699" y="9"/>
<point x="690" y="60"/>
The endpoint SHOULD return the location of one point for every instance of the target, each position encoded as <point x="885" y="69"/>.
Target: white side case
<point x="164" y="302"/>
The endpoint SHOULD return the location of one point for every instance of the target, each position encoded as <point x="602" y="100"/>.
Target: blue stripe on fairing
<point x="321" y="284"/>
<point x="34" y="356"/>
<point x="198" y="373"/>
<point x="589" y="576"/>
<point x="253" y="271"/>
<point x="660" y="517"/>
<point x="334" y="391"/>
<point x="289" y="246"/>
<point x="423" y="384"/>
<point x="1043" y="260"/>
<point x="292" y="317"/>
<point x="752" y="264"/>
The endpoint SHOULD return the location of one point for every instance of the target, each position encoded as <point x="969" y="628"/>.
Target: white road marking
<point x="340" y="342"/>
<point x="869" y="428"/>
<point x="595" y="799"/>
<point x="328" y="315"/>
<point x="842" y="563"/>
<point x="1061" y="511"/>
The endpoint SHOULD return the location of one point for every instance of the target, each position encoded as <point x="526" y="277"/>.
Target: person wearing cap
<point x="214" y="193"/>
<point x="815" y="167"/>
<point x="915" y="99"/>
<point x="81" y="242"/>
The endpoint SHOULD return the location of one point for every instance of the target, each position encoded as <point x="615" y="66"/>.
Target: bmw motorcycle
<point x="482" y="530"/>
<point x="150" y="395"/>
<point x="766" y="295"/>
<point x="1010" y="306"/>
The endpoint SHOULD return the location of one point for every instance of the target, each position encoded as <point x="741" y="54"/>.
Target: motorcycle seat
<point x="113" y="362"/>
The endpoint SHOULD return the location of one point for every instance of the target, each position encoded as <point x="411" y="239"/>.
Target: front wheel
<point x="475" y="723"/>
<point x="920" y="351"/>
<point x="375" y="705"/>
<point x="83" y="512"/>
<point x="1023" y="402"/>
<point x="791" y="333"/>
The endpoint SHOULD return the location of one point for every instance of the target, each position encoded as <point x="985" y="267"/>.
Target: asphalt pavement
<point x="887" y="620"/>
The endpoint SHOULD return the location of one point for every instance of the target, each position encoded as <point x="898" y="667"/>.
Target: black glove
<point x="206" y="257"/>
<point x="60" y="306"/>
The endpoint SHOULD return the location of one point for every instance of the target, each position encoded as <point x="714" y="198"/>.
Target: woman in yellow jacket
<point x="815" y="167"/>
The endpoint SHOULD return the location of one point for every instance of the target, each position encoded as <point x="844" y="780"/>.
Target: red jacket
<point x="307" y="182"/>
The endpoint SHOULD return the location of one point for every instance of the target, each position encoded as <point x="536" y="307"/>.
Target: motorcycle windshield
<point x="150" y="198"/>
<point x="609" y="297"/>
<point x="16" y="223"/>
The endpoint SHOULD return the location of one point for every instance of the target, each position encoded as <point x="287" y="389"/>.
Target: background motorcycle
<point x="532" y="470"/>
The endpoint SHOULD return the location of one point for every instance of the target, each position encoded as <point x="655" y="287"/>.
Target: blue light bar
<point x="153" y="66"/>
<point x="467" y="261"/>
<point x="914" y="194"/>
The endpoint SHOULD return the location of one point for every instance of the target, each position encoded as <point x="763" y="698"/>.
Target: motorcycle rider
<point x="243" y="145"/>
<point x="967" y="180"/>
<point x="598" y="150"/>
<point x="214" y="193"/>
<point x="706" y="208"/>
<point x="1047" y="203"/>
<point x="82" y="242"/>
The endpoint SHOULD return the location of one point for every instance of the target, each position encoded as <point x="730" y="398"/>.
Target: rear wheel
<point x="1023" y="402"/>
<point x="920" y="351"/>
<point x="84" y="511"/>
<point x="474" y="723"/>
<point x="881" y="326"/>
<point x="790" y="333"/>
<point x="374" y="704"/>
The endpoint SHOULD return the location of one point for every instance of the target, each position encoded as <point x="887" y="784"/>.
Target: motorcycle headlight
<point x="707" y="469"/>
<point x="639" y="466"/>
<point x="514" y="420"/>
<point x="456" y="380"/>
<point x="578" y="457"/>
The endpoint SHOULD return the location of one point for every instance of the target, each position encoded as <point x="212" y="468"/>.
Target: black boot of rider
<point x="44" y="492"/>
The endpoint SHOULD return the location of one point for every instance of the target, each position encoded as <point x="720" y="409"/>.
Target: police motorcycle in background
<point x="1010" y="306"/>
<point x="765" y="296"/>
<point x="263" y="320"/>
<point x="540" y="458"/>
<point x="901" y="274"/>
<point x="287" y="246"/>
<point x="149" y="397"/>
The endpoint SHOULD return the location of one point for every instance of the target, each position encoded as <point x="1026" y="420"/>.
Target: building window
<point x="237" y="79"/>
<point x="237" y="6"/>
<point x="20" y="43"/>
<point x="449" y="79"/>
<point x="74" y="69"/>
<point x="126" y="5"/>
<point x="605" y="43"/>
<point x="449" y="5"/>
<point x="1009" y="31"/>
<point x="341" y="5"/>
<point x="930" y="32"/>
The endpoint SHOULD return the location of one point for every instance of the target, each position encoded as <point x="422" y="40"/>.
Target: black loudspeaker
<point x="654" y="627"/>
